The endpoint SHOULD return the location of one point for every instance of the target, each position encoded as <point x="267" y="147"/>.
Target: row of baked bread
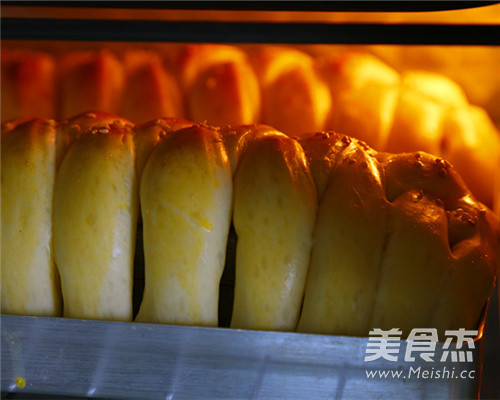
<point x="137" y="85"/>
<point x="353" y="93"/>
<point x="332" y="236"/>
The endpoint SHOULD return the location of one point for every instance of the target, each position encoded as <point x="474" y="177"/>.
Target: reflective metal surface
<point x="129" y="360"/>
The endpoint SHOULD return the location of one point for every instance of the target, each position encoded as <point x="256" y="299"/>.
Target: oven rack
<point x="118" y="360"/>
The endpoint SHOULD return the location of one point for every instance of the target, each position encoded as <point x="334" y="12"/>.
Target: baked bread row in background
<point x="332" y="236"/>
<point x="350" y="92"/>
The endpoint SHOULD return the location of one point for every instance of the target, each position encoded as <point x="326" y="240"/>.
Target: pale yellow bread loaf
<point x="28" y="84"/>
<point x="323" y="151"/>
<point x="294" y="99"/>
<point x="472" y="144"/>
<point x="364" y="92"/>
<point x="399" y="243"/>
<point x="186" y="195"/>
<point x="274" y="214"/>
<point x="30" y="282"/>
<point x="414" y="266"/>
<point x="237" y="139"/>
<point x="220" y="86"/>
<point x="72" y="128"/>
<point x="147" y="135"/>
<point x="95" y="218"/>
<point x="348" y="244"/>
<point x="88" y="81"/>
<point x="150" y="89"/>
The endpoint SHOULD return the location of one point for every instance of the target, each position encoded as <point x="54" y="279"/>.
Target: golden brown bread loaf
<point x="30" y="282"/>
<point x="414" y="111"/>
<point x="399" y="242"/>
<point x="186" y="194"/>
<point x="274" y="214"/>
<point x="349" y="91"/>
<point x="294" y="99"/>
<point x="220" y="87"/>
<point x="150" y="89"/>
<point x="28" y="84"/>
<point x="474" y="68"/>
<point x="89" y="81"/>
<point x="364" y="93"/>
<point x="94" y="223"/>
<point x="435" y="87"/>
<point x="472" y="144"/>
<point x="425" y="99"/>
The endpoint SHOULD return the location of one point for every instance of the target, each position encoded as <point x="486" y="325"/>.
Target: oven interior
<point x="47" y="42"/>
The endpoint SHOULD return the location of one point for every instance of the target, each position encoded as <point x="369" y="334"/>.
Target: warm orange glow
<point x="396" y="98"/>
<point x="480" y="15"/>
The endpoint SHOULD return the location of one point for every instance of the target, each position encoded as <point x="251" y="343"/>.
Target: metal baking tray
<point x="118" y="360"/>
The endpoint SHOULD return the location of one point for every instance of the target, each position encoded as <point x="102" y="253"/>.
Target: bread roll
<point x="323" y="151"/>
<point x="220" y="86"/>
<point x="414" y="266"/>
<point x="366" y="113"/>
<point x="472" y="145"/>
<point x="474" y="239"/>
<point x="399" y="243"/>
<point x="353" y="70"/>
<point x="434" y="86"/>
<point x="348" y="245"/>
<point x="364" y="92"/>
<point x="237" y="139"/>
<point x="150" y="89"/>
<point x="28" y="84"/>
<point x="433" y="115"/>
<point x="30" y="282"/>
<point x="274" y="214"/>
<point x="424" y="102"/>
<point x="469" y="242"/>
<point x="88" y="81"/>
<point x="147" y="135"/>
<point x="95" y="218"/>
<point x="417" y="124"/>
<point x="408" y="113"/>
<point x="186" y="193"/>
<point x="193" y="59"/>
<point x="294" y="99"/>
<point x="74" y="127"/>
<point x="474" y="68"/>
